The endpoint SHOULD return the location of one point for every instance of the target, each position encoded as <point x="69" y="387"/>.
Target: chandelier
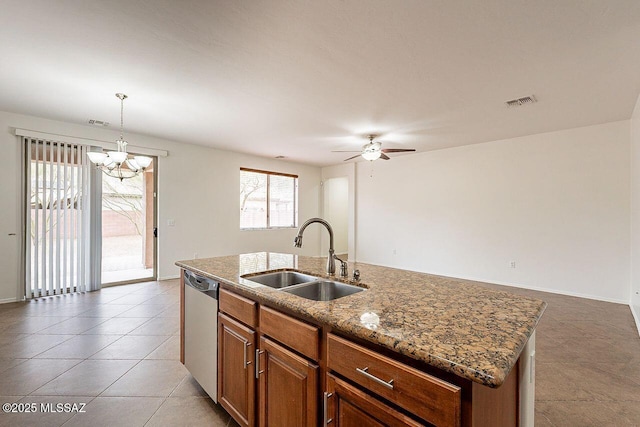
<point x="118" y="164"/>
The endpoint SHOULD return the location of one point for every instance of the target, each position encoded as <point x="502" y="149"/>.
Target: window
<point x="268" y="199"/>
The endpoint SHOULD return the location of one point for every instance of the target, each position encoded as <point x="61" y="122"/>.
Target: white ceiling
<point x="302" y="78"/>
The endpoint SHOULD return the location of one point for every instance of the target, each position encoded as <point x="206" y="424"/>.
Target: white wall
<point x="635" y="213"/>
<point x="557" y="204"/>
<point x="197" y="187"/>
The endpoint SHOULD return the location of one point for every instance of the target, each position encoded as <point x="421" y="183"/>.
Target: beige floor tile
<point x="116" y="411"/>
<point x="79" y="347"/>
<point x="6" y="364"/>
<point x="131" y="347"/>
<point x="189" y="387"/>
<point x="31" y="346"/>
<point x="629" y="411"/>
<point x="189" y="412"/>
<point x="144" y="310"/>
<point x="75" y="325"/>
<point x="158" y="326"/>
<point x="149" y="378"/>
<point x="89" y="378"/>
<point x="108" y="310"/>
<point x="172" y="311"/>
<point x="132" y="299"/>
<point x="30" y="325"/>
<point x="32" y="374"/>
<point x="164" y="299"/>
<point x="116" y="325"/>
<point x="168" y="350"/>
<point x="580" y="414"/>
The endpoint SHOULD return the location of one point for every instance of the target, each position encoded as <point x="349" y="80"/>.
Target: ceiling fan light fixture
<point x="371" y="155"/>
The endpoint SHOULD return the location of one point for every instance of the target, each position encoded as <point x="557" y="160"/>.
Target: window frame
<point x="268" y="201"/>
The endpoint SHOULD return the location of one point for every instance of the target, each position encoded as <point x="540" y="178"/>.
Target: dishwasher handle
<point x="203" y="284"/>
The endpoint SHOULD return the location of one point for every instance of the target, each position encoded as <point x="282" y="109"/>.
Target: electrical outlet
<point x="171" y="222"/>
<point x="195" y="255"/>
<point x="394" y="252"/>
<point x="513" y="264"/>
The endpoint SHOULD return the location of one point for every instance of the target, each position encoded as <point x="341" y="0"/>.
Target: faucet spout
<point x="331" y="265"/>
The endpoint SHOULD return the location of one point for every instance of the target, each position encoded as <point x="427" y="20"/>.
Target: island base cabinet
<point x="347" y="406"/>
<point x="236" y="381"/>
<point x="287" y="387"/>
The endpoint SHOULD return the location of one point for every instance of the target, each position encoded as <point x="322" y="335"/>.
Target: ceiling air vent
<point x="521" y="101"/>
<point x="98" y="122"/>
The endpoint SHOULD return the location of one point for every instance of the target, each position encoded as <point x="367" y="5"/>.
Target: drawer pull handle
<point x="258" y="371"/>
<point x="387" y="384"/>
<point x="327" y="420"/>
<point x="246" y="358"/>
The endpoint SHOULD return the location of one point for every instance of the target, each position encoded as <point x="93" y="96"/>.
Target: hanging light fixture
<point x="117" y="163"/>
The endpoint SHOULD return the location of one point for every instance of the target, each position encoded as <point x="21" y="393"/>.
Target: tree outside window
<point x="268" y="199"/>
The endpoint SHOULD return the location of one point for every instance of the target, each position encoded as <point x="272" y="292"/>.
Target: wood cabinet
<point x="348" y="406"/>
<point x="288" y="387"/>
<point x="236" y="381"/>
<point x="424" y="395"/>
<point x="275" y="369"/>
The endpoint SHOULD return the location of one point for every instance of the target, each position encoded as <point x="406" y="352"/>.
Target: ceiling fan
<point x="374" y="150"/>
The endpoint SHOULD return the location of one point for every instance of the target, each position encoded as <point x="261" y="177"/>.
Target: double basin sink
<point x="305" y="286"/>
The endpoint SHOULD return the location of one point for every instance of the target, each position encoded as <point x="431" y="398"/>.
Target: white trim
<point x="107" y="145"/>
<point x="8" y="300"/>
<point x="177" y="276"/>
<point x="636" y="317"/>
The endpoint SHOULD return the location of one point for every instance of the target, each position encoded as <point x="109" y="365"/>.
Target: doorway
<point x="129" y="228"/>
<point x="336" y="212"/>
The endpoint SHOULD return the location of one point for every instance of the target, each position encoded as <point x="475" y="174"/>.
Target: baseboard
<point x="636" y="317"/>
<point x="177" y="276"/>
<point x="557" y="292"/>
<point x="8" y="300"/>
<point x="514" y="285"/>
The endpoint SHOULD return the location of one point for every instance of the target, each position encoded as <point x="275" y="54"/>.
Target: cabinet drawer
<point x="426" y="396"/>
<point x="243" y="309"/>
<point x="298" y="335"/>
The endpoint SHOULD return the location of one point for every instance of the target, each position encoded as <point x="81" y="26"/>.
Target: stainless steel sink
<point x="323" y="290"/>
<point x="281" y="279"/>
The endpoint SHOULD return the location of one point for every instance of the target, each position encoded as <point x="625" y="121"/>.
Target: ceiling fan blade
<point x="397" y="150"/>
<point x="384" y="156"/>
<point x="346" y="151"/>
<point x="351" y="158"/>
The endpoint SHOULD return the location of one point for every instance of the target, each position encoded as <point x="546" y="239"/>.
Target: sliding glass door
<point x="128" y="228"/>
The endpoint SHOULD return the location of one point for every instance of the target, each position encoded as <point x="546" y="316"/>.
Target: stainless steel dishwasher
<point x="201" y="331"/>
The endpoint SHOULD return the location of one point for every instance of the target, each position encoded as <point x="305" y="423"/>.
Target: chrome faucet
<point x="331" y="265"/>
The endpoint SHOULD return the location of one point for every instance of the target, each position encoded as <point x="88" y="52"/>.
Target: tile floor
<point x="116" y="350"/>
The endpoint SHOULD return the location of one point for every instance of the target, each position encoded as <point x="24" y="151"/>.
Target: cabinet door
<point x="288" y="388"/>
<point x="347" y="406"/>
<point x="236" y="383"/>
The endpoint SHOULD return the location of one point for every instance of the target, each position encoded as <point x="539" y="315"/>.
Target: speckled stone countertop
<point x="452" y="324"/>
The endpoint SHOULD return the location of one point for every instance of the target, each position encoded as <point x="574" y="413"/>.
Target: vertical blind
<point x="58" y="247"/>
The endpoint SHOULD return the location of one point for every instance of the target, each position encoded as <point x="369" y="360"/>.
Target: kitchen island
<point x="451" y="329"/>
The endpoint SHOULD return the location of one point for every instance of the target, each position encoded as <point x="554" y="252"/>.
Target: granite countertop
<point x="453" y="324"/>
